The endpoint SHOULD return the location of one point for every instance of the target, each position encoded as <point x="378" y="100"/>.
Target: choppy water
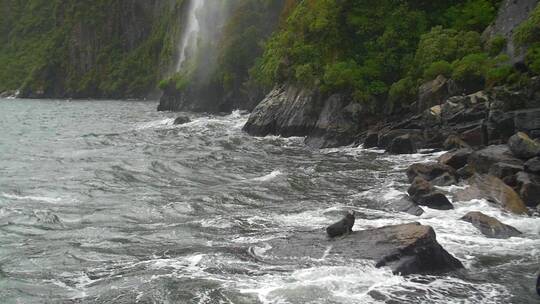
<point x="107" y="202"/>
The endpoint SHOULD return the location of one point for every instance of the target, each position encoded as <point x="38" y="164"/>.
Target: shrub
<point x="498" y="75"/>
<point x="438" y="68"/>
<point x="528" y="31"/>
<point x="471" y="68"/>
<point x="403" y="91"/>
<point x="496" y="45"/>
<point x="533" y="58"/>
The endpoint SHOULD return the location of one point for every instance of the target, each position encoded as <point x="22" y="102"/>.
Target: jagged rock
<point x="527" y="120"/>
<point x="180" y="120"/>
<point x="474" y="137"/>
<point x="386" y="138"/>
<point x="522" y="146"/>
<point x="503" y="170"/>
<point x="465" y="172"/>
<point x="405" y="204"/>
<point x="529" y="188"/>
<point x="433" y="93"/>
<point x="490" y="226"/>
<point x="423" y="193"/>
<point x="402" y="145"/>
<point x="372" y="140"/>
<point x="494" y="190"/>
<point x="482" y="160"/>
<point x="405" y="249"/>
<point x="500" y="126"/>
<point x="533" y="165"/>
<point x="454" y="142"/>
<point x="336" y="125"/>
<point x="455" y="159"/>
<point x="437" y="174"/>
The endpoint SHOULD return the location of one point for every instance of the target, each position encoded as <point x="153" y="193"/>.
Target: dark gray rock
<point x="436" y="173"/>
<point x="482" y="160"/>
<point x="180" y="120"/>
<point x="533" y="165"/>
<point x="433" y="93"/>
<point x="405" y="204"/>
<point x="456" y="159"/>
<point x="423" y="193"/>
<point x="454" y="142"/>
<point x="522" y="146"/>
<point x="490" y="226"/>
<point x="529" y="188"/>
<point x="527" y="120"/>
<point x="406" y="249"/>
<point x="372" y="140"/>
<point x="465" y="172"/>
<point x="402" y="145"/>
<point x="503" y="170"/>
<point x="386" y="138"/>
<point x="344" y="226"/>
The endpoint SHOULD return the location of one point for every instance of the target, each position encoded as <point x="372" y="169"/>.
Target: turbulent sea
<point x="108" y="202"/>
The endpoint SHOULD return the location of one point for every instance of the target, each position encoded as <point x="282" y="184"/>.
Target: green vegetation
<point x="62" y="48"/>
<point x="528" y="34"/>
<point x="383" y="50"/>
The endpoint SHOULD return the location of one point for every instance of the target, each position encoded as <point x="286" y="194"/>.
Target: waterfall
<point x="191" y="33"/>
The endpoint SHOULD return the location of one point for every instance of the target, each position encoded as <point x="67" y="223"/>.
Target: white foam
<point x="268" y="177"/>
<point x="51" y="200"/>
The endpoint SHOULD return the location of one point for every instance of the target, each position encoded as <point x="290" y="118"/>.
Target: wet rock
<point x="522" y="146"/>
<point x="433" y="93"/>
<point x="527" y="120"/>
<point x="423" y="193"/>
<point x="180" y="120"/>
<point x="386" y="138"/>
<point x="436" y="173"/>
<point x="454" y="142"/>
<point x="533" y="165"/>
<point x="342" y="227"/>
<point x="474" y="137"/>
<point x="503" y="170"/>
<point x="529" y="188"/>
<point x="402" y="145"/>
<point x="455" y="159"/>
<point x="482" y="160"/>
<point x="500" y="126"/>
<point x="405" y="204"/>
<point x="372" y="140"/>
<point x="405" y="249"/>
<point x="490" y="226"/>
<point x="465" y="172"/>
<point x="494" y="190"/>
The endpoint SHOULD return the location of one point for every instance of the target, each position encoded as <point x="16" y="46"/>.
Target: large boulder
<point x="533" y="165"/>
<point x="482" y="160"/>
<point x="528" y="121"/>
<point x="490" y="226"/>
<point x="504" y="170"/>
<point x="402" y="145"/>
<point x="529" y="188"/>
<point x="454" y="142"/>
<point x="423" y="194"/>
<point x="372" y="140"/>
<point x="522" y="146"/>
<point x="405" y="204"/>
<point x="436" y="173"/>
<point x="285" y="111"/>
<point x="456" y="159"/>
<point x="433" y="93"/>
<point x="386" y="138"/>
<point x="405" y="249"/>
<point x="494" y="190"/>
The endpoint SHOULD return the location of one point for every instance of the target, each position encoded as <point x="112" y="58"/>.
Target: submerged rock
<point x="405" y="204"/>
<point x="522" y="146"/>
<point x="406" y="249"/>
<point x="180" y="120"/>
<point x="437" y="174"/>
<point x="494" y="190"/>
<point x="423" y="193"/>
<point x="490" y="226"/>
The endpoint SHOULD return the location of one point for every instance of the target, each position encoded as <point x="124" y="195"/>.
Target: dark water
<point x="107" y="202"/>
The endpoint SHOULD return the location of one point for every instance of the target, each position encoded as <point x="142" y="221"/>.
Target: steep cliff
<point x="90" y="49"/>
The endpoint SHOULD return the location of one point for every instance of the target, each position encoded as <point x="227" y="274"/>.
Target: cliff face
<point x="94" y="49"/>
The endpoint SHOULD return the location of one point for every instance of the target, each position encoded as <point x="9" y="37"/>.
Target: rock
<point x="482" y="160"/>
<point x="423" y="193"/>
<point x="455" y="159"/>
<point x="180" y="120"/>
<point x="372" y="140"/>
<point x="437" y="174"/>
<point x="529" y="188"/>
<point x="465" y="172"/>
<point x="500" y="126"/>
<point x="494" y="190"/>
<point x="402" y="145"/>
<point x="454" y="142"/>
<point x="522" y="146"/>
<point x="405" y="249"/>
<point x="433" y="93"/>
<point x="285" y="111"/>
<point x="336" y="125"/>
<point x="386" y="138"/>
<point x="475" y="137"/>
<point x="527" y="120"/>
<point x="503" y="170"/>
<point x="490" y="226"/>
<point x="533" y="165"/>
<point x="405" y="204"/>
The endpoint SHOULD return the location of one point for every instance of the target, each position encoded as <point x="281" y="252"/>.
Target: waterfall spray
<point x="191" y="33"/>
